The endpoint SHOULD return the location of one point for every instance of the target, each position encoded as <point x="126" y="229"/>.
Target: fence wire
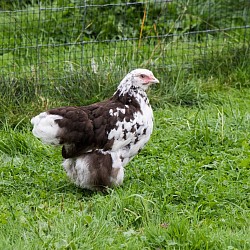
<point x="53" y="40"/>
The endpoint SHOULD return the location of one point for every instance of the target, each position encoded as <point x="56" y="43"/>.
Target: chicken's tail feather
<point x="45" y="128"/>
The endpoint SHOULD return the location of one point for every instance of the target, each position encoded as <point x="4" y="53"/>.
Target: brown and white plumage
<point x="100" y="139"/>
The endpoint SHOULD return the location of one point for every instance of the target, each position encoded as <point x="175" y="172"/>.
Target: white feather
<point x="45" y="128"/>
<point x="144" y="119"/>
<point x="118" y="168"/>
<point x="78" y="171"/>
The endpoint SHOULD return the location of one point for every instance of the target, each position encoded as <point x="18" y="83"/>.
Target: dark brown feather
<point x="87" y="128"/>
<point x="100" y="170"/>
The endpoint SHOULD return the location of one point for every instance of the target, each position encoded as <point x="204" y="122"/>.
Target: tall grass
<point x="179" y="85"/>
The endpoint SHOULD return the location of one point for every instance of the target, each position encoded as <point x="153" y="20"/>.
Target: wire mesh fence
<point x="52" y="40"/>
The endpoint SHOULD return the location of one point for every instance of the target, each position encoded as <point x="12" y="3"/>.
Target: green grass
<point x="188" y="189"/>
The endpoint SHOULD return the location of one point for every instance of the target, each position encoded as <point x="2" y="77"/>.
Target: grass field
<point x="188" y="189"/>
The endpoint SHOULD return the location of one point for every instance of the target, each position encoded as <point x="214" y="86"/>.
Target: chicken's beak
<point x="154" y="80"/>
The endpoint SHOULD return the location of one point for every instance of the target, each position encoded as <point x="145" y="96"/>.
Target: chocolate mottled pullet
<point x="100" y="139"/>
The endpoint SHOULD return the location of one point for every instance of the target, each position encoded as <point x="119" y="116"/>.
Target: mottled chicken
<point x="98" y="140"/>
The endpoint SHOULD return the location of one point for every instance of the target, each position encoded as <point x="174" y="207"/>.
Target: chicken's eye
<point x="142" y="76"/>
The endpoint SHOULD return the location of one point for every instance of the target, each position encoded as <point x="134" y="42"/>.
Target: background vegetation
<point x="189" y="188"/>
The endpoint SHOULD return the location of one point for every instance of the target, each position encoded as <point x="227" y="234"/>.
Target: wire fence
<point x="53" y="40"/>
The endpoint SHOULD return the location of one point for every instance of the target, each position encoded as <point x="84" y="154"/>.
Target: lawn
<point x="188" y="189"/>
